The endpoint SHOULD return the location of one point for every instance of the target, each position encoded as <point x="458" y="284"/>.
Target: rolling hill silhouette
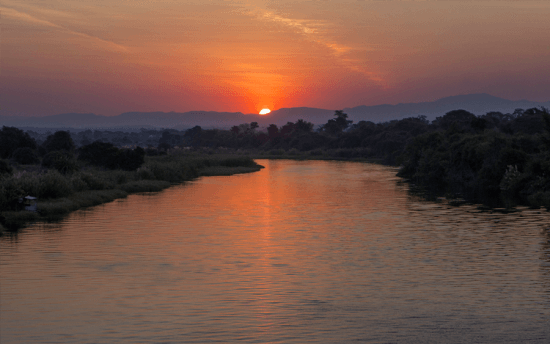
<point x="476" y="103"/>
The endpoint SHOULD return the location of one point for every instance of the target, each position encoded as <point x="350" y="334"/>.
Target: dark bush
<point x="95" y="182"/>
<point x="106" y="155"/>
<point x="25" y="156"/>
<point x="10" y="193"/>
<point x="63" y="161"/>
<point x="54" y="185"/>
<point x="131" y="160"/>
<point x="12" y="138"/>
<point x="5" y="168"/>
<point x="164" y="146"/>
<point x="59" y="141"/>
<point x="459" y="119"/>
<point x="98" y="153"/>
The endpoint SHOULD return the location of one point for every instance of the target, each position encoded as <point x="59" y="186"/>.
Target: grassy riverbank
<point x="59" y="194"/>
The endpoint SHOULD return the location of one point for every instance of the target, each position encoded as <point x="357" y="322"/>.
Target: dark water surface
<point x="322" y="252"/>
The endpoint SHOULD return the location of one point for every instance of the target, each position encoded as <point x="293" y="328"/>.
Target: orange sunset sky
<point x="113" y="56"/>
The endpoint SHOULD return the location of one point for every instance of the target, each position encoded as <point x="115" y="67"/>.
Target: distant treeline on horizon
<point x="133" y="121"/>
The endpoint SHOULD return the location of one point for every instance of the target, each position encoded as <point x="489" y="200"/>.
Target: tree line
<point x="496" y="158"/>
<point x="493" y="158"/>
<point x="59" y="152"/>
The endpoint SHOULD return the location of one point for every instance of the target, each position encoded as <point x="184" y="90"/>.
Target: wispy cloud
<point x="315" y="31"/>
<point x="25" y="17"/>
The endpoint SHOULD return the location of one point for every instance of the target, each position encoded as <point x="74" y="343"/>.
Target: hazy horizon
<point x="272" y="110"/>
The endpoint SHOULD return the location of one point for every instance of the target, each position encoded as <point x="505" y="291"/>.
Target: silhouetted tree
<point x="479" y="123"/>
<point x="272" y="131"/>
<point x="63" y="161"/>
<point x="337" y="125"/>
<point x="12" y="138"/>
<point x="106" y="155"/>
<point x="461" y="119"/>
<point x="131" y="159"/>
<point x="287" y="129"/>
<point x="170" y="138"/>
<point x="192" y="137"/>
<point x="303" y="126"/>
<point x="25" y="156"/>
<point x="529" y="121"/>
<point x="98" y="153"/>
<point x="58" y="141"/>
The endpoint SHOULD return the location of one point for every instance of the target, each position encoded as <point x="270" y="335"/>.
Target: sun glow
<point x="265" y="111"/>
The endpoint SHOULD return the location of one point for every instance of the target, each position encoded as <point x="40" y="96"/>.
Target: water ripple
<point x="323" y="252"/>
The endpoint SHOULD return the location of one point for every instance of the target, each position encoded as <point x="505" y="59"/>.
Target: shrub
<point x="56" y="208"/>
<point x="346" y="153"/>
<point x="78" y="184"/>
<point x="131" y="160"/>
<point x="59" y="141"/>
<point x="99" y="154"/>
<point x="293" y="151"/>
<point x="5" y="168"/>
<point x="17" y="219"/>
<point x="25" y="156"/>
<point x="10" y="193"/>
<point x="145" y="186"/>
<point x="145" y="173"/>
<point x="316" y="152"/>
<point x="12" y="138"/>
<point x="54" y="185"/>
<point x="121" y="177"/>
<point x="276" y="152"/>
<point x="106" y="155"/>
<point x="237" y="162"/>
<point x="62" y="161"/>
<point x="167" y="171"/>
<point x="95" y="182"/>
<point x="540" y="199"/>
<point x="29" y="183"/>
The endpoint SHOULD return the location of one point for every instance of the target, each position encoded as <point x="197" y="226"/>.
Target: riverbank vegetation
<point x="496" y="159"/>
<point x="66" y="179"/>
<point x="490" y="159"/>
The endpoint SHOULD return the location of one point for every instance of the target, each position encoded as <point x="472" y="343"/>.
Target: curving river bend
<point x="313" y="251"/>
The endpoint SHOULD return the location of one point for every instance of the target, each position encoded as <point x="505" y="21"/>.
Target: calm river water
<point x="322" y="252"/>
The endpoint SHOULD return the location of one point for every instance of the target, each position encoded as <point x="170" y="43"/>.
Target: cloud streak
<point x="25" y="17"/>
<point x="312" y="30"/>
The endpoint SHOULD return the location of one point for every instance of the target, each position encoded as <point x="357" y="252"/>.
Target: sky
<point x="112" y="56"/>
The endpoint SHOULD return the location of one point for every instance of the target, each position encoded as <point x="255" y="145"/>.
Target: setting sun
<point x="265" y="111"/>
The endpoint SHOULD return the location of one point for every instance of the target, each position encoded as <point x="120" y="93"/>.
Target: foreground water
<point x="324" y="252"/>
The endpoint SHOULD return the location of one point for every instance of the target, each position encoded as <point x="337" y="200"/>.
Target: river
<point x="302" y="251"/>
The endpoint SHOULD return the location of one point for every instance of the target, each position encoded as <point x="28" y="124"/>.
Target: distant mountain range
<point x="478" y="104"/>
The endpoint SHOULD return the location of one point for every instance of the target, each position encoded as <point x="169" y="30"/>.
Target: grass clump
<point x="145" y="186"/>
<point x="227" y="171"/>
<point x="53" y="184"/>
<point x="13" y="220"/>
<point x="53" y="209"/>
<point x="56" y="208"/>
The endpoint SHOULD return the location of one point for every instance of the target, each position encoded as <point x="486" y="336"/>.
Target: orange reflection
<point x="263" y="251"/>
